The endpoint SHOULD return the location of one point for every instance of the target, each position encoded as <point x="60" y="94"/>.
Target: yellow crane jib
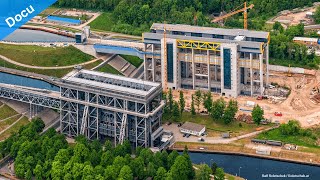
<point x="245" y="15"/>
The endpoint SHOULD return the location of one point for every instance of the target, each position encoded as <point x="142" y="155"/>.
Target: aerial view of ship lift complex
<point x="229" y="62"/>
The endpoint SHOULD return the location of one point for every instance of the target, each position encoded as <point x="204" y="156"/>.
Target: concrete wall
<point x="286" y="69"/>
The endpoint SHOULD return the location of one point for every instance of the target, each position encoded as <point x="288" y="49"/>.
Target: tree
<point x="193" y="110"/>
<point x="126" y="173"/>
<point x="176" y="112"/>
<point x="110" y="173"/>
<point x="291" y="128"/>
<point x="38" y="172"/>
<point x="277" y="26"/>
<point x="214" y="167"/>
<point x="207" y="102"/>
<point x="230" y="112"/>
<point x="172" y="157"/>
<point x="28" y="175"/>
<point x="182" y="102"/>
<point x="191" y="173"/>
<point x="161" y="174"/>
<point x="180" y="169"/>
<point x="170" y="100"/>
<point x="219" y="175"/>
<point x="107" y="145"/>
<point x="204" y="172"/>
<point x="316" y="15"/>
<point x="151" y="171"/>
<point x="197" y="99"/>
<point x="257" y="114"/>
<point x="137" y="166"/>
<point x="217" y="110"/>
<point x="106" y="159"/>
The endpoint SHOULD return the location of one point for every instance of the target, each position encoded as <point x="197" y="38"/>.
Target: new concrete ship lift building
<point x="228" y="61"/>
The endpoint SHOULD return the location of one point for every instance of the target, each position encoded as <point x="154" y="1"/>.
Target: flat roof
<point x="192" y="126"/>
<point x="210" y="30"/>
<point x="305" y="39"/>
<point x="117" y="83"/>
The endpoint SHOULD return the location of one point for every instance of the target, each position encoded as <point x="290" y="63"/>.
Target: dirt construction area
<point x="303" y="103"/>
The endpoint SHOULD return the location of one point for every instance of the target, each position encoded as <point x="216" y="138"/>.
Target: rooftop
<point x="112" y="82"/>
<point x="210" y="30"/>
<point x="192" y="126"/>
<point x="305" y="39"/>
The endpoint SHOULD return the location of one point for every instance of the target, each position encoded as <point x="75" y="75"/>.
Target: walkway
<point x="211" y="140"/>
<point x="41" y="67"/>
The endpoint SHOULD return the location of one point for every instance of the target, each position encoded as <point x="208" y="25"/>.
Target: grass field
<point x="215" y="128"/>
<point x="134" y="60"/>
<point x="6" y="112"/>
<point x="109" y="69"/>
<point x="8" y="122"/>
<point x="14" y="128"/>
<point x="48" y="11"/>
<point x="44" y="56"/>
<point x="300" y="140"/>
<point x="103" y="22"/>
<point x="54" y="72"/>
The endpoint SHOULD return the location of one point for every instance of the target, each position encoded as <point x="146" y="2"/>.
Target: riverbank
<point x="236" y="149"/>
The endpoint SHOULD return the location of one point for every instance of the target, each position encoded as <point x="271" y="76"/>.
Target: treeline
<point x="145" y="12"/>
<point x="49" y="156"/>
<point x="284" y="51"/>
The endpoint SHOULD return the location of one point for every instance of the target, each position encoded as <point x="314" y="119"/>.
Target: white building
<point x="192" y="128"/>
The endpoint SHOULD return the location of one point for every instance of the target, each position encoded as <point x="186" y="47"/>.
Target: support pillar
<point x="267" y="64"/>
<point x="193" y="70"/>
<point x="209" y="73"/>
<point x="145" y="64"/>
<point x="251" y="75"/>
<point x="261" y="73"/>
<point x="153" y="64"/>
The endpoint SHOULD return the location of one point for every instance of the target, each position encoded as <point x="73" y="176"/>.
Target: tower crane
<point x="236" y="11"/>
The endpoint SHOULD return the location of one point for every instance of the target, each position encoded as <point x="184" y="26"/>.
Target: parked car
<point x="278" y="114"/>
<point x="201" y="139"/>
<point x="184" y="135"/>
<point x="259" y="98"/>
<point x="169" y="123"/>
<point x="180" y="124"/>
<point x="188" y="135"/>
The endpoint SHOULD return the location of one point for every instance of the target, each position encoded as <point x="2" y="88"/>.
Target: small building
<point x="192" y="128"/>
<point x="310" y="42"/>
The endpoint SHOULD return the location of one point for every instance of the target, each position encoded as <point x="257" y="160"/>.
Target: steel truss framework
<point x="201" y="45"/>
<point x="97" y="115"/>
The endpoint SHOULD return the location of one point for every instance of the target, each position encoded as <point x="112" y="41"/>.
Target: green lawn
<point x="48" y="11"/>
<point x="109" y="69"/>
<point x="134" y="60"/>
<point x="55" y="73"/>
<point x="215" y="128"/>
<point x="300" y="140"/>
<point x="44" y="56"/>
<point x="6" y="112"/>
<point x="8" y="122"/>
<point x="103" y="22"/>
<point x="292" y="64"/>
<point x="14" y="128"/>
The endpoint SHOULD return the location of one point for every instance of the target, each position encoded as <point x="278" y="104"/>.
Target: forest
<point x="139" y="13"/>
<point x="49" y="156"/>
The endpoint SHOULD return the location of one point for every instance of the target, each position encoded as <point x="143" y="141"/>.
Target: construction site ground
<point x="298" y="105"/>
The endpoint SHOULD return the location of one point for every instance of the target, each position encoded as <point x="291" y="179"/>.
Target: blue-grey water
<point x="25" y="35"/>
<point x="25" y="81"/>
<point x="252" y="168"/>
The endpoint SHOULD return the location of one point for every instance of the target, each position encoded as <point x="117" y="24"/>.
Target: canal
<point x="25" y="35"/>
<point x="252" y="168"/>
<point x="27" y="82"/>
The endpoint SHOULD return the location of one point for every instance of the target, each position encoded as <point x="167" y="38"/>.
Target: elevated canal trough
<point x="94" y="104"/>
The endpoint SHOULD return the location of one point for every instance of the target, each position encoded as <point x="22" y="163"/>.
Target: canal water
<point x="25" y="35"/>
<point x="252" y="168"/>
<point x="25" y="81"/>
